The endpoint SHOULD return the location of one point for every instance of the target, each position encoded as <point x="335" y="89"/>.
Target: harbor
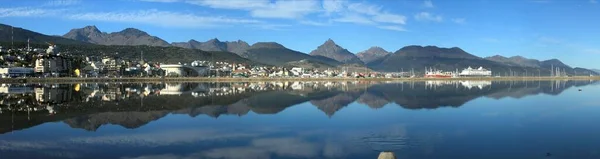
<point x="229" y="79"/>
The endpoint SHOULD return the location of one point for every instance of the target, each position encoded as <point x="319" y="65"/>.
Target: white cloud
<point x="392" y="27"/>
<point x="354" y="18"/>
<point x="332" y="11"/>
<point x="389" y="18"/>
<point x="289" y="9"/>
<point x="428" y="4"/>
<point x="490" y="40"/>
<point x="271" y="26"/>
<point x="314" y="23"/>
<point x="160" y="1"/>
<point x="160" y="18"/>
<point x="365" y="8"/>
<point x="593" y="1"/>
<point x="62" y="2"/>
<point x="364" y="14"/>
<point x="336" y="10"/>
<point x="459" y="20"/>
<point x="426" y="16"/>
<point x="333" y="5"/>
<point x="259" y="148"/>
<point x="26" y="12"/>
<point x="233" y="4"/>
<point x="592" y="51"/>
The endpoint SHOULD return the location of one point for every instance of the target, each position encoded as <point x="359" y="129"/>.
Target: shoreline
<point x="229" y="79"/>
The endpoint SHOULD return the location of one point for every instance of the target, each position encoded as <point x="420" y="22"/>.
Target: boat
<point x="479" y="72"/>
<point x="433" y="73"/>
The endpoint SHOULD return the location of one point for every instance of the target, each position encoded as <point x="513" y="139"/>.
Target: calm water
<point x="418" y="120"/>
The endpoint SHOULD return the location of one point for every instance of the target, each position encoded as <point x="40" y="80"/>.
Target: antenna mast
<point x="12" y="36"/>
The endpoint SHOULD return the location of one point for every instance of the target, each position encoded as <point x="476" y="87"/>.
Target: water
<point x="415" y="120"/>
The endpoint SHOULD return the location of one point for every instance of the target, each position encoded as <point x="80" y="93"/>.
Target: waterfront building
<point x="54" y="65"/>
<point x="15" y="72"/>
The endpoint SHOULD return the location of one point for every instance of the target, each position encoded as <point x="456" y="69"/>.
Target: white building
<point x="475" y="72"/>
<point x="52" y="49"/>
<point x="16" y="72"/>
<point x="297" y="71"/>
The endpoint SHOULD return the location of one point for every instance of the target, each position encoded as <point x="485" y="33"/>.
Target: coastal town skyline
<point x="390" y="24"/>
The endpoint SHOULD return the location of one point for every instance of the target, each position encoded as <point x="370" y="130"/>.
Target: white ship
<point x="475" y="72"/>
<point x="475" y="84"/>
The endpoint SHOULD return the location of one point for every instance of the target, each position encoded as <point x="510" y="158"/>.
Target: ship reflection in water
<point x="427" y="119"/>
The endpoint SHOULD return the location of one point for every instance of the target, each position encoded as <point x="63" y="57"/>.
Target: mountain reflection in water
<point x="133" y="105"/>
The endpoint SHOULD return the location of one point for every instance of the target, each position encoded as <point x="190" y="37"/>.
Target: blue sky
<point x="542" y="29"/>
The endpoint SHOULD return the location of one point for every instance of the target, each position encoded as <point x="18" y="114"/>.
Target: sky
<point x="568" y="30"/>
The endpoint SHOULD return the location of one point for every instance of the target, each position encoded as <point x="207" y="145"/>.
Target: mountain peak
<point x="329" y="42"/>
<point x="515" y="61"/>
<point x="213" y="40"/>
<point x="270" y="45"/>
<point x="91" y="28"/>
<point x="372" y="54"/>
<point x="519" y="57"/>
<point x="497" y="56"/>
<point x="554" y="62"/>
<point x="86" y="34"/>
<point x="376" y="48"/>
<point x="133" y="31"/>
<point x="331" y="50"/>
<point x="128" y="36"/>
<point x="434" y="51"/>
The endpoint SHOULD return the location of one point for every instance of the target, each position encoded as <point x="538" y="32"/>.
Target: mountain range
<point x="238" y="47"/>
<point x="327" y="55"/>
<point x="128" y="36"/>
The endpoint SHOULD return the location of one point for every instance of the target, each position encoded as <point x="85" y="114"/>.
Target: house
<point x="297" y="71"/>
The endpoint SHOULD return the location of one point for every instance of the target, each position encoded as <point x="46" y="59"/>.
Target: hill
<point x="372" y="54"/>
<point x="128" y="36"/>
<point x="515" y="61"/>
<point x="419" y="57"/>
<point x="21" y="35"/>
<point x="238" y="47"/>
<point x="155" y="53"/>
<point x="331" y="50"/>
<point x="276" y="54"/>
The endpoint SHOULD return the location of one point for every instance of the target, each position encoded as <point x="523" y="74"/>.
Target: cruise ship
<point x="475" y="72"/>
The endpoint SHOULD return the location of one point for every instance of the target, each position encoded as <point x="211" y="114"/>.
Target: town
<point x="51" y="62"/>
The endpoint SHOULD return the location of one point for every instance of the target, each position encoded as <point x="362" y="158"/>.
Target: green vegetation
<point x="150" y="53"/>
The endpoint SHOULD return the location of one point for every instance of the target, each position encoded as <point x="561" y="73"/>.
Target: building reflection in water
<point x="28" y="105"/>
